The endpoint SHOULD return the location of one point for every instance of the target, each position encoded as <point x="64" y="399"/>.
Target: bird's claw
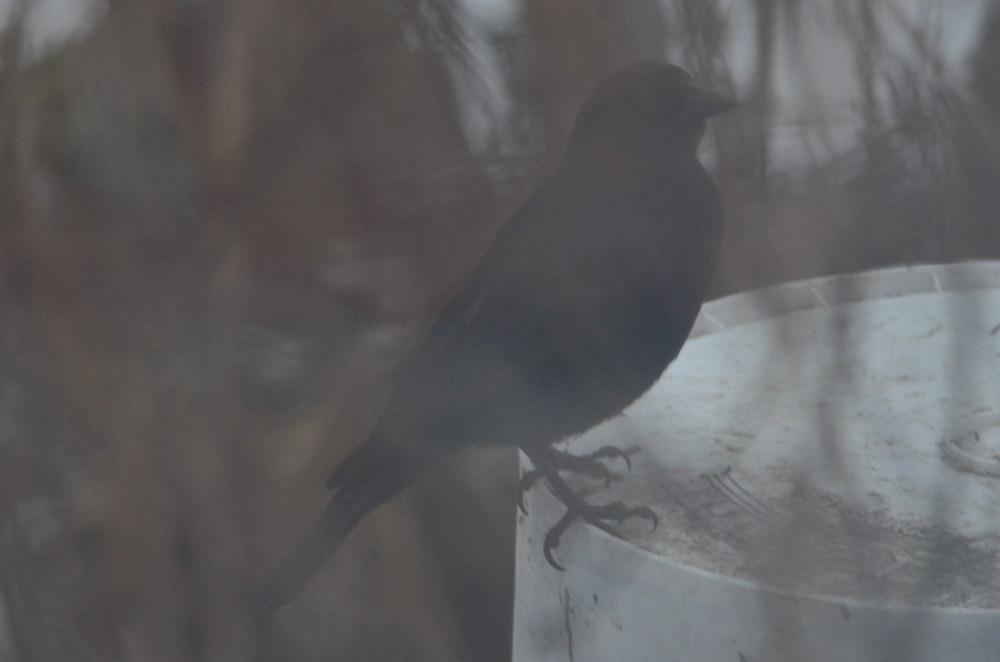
<point x="527" y="480"/>
<point x="595" y="515"/>
<point x="583" y="464"/>
<point x="548" y="462"/>
<point x="552" y="538"/>
<point x="619" y="512"/>
<point x="610" y="453"/>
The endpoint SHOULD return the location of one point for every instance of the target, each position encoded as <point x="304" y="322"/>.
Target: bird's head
<point x="652" y="112"/>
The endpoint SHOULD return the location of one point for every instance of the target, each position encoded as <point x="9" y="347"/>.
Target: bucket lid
<point x="832" y="437"/>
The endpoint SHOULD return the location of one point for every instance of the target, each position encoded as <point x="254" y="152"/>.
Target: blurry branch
<point x="437" y="34"/>
<point x="867" y="39"/>
<point x="923" y="183"/>
<point x="858" y="20"/>
<point x="920" y="182"/>
<point x="11" y="39"/>
<point x="957" y="140"/>
<point x="441" y="23"/>
<point x="703" y="29"/>
<point x="758" y="107"/>
<point x="986" y="61"/>
<point x="974" y="112"/>
<point x="698" y="32"/>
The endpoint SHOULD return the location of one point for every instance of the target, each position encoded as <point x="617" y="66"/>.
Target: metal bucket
<point x="824" y="459"/>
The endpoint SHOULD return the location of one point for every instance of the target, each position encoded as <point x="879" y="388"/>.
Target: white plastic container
<point x="824" y="460"/>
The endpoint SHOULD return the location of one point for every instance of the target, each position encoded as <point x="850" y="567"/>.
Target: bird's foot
<point x="548" y="462"/>
<point x="597" y="516"/>
<point x="588" y="465"/>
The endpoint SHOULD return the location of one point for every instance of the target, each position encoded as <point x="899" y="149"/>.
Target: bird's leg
<point x="582" y="464"/>
<point x="577" y="507"/>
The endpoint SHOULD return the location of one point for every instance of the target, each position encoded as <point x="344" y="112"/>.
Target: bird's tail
<point x="345" y="510"/>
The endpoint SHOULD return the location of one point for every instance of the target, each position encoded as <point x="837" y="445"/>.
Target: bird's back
<point x="575" y="310"/>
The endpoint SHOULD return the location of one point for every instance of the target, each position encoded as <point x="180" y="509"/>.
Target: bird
<point x="576" y="308"/>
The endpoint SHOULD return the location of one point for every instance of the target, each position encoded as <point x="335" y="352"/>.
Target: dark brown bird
<point x="575" y="310"/>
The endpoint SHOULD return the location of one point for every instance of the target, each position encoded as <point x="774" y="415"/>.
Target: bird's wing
<point x="509" y="353"/>
<point x="573" y="312"/>
<point x="497" y="340"/>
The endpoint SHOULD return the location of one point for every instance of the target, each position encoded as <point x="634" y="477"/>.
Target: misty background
<point x="225" y="225"/>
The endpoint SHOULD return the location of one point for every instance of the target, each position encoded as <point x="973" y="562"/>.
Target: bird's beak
<point x="701" y="103"/>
